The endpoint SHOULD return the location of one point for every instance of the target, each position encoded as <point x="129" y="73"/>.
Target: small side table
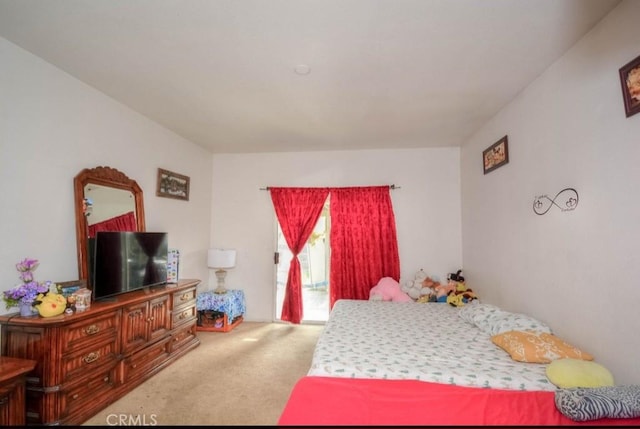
<point x="220" y="312"/>
<point x="13" y="372"/>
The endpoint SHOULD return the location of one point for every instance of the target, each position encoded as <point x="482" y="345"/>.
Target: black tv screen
<point x="127" y="261"/>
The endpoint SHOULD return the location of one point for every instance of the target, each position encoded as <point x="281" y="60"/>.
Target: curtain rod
<point x="390" y="187"/>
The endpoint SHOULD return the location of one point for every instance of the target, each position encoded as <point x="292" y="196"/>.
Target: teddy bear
<point x="420" y="286"/>
<point x="388" y="289"/>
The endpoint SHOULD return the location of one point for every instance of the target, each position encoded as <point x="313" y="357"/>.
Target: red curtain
<point x="297" y="210"/>
<point x="125" y="222"/>
<point x="363" y="241"/>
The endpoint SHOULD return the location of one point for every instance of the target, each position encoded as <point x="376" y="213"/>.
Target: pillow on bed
<point x="568" y="373"/>
<point x="480" y="315"/>
<point x="517" y="322"/>
<point x="582" y="404"/>
<point x="535" y="347"/>
<point x="493" y="320"/>
<point x="617" y="402"/>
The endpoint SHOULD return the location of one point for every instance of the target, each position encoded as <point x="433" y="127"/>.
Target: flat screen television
<point x="127" y="261"/>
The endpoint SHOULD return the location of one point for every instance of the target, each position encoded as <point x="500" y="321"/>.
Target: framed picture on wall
<point x="172" y="185"/>
<point x="496" y="155"/>
<point x="630" y="80"/>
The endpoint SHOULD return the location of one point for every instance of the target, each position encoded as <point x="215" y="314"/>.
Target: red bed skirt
<point x="352" y="401"/>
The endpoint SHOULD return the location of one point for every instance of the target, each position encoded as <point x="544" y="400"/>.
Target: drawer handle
<point x="75" y="396"/>
<point x="106" y="379"/>
<point x="92" y="329"/>
<point x="91" y="357"/>
<point x="183" y="315"/>
<point x="151" y="319"/>
<point x="185" y="297"/>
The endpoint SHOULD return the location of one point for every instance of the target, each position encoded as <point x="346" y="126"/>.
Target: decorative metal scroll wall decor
<point x="565" y="200"/>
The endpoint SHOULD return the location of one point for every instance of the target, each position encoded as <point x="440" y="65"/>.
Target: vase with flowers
<point x="24" y="295"/>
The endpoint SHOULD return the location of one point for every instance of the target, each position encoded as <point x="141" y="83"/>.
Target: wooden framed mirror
<point x="104" y="197"/>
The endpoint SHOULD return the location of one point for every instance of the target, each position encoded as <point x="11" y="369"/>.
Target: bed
<point x="379" y="363"/>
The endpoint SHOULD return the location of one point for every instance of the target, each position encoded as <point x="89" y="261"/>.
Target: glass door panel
<point x="314" y="266"/>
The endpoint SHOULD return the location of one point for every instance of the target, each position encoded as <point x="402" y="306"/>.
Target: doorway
<point x="314" y="266"/>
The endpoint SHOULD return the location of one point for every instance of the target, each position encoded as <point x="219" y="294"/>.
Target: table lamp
<point x="220" y="259"/>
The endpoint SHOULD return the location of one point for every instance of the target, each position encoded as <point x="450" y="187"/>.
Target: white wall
<point x="574" y="270"/>
<point x="427" y="209"/>
<point x="51" y="127"/>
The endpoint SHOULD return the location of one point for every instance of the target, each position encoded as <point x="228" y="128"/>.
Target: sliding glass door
<point x="314" y="264"/>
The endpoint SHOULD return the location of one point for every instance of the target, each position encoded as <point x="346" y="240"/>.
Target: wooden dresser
<point x="88" y="360"/>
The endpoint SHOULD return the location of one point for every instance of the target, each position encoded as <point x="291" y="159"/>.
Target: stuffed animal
<point x="458" y="299"/>
<point x="456" y="277"/>
<point x="467" y="294"/>
<point x="461" y="294"/>
<point x="442" y="291"/>
<point x="455" y="300"/>
<point x="431" y="284"/>
<point x="453" y="280"/>
<point x="426" y="298"/>
<point x="420" y="286"/>
<point x="388" y="289"/>
<point x="51" y="304"/>
<point x="413" y="287"/>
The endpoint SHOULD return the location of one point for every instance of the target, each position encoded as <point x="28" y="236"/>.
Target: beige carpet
<point x="242" y="377"/>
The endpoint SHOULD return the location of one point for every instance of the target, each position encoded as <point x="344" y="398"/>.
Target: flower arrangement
<point x="27" y="292"/>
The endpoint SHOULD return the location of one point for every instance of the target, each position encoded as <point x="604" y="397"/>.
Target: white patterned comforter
<point x="421" y="341"/>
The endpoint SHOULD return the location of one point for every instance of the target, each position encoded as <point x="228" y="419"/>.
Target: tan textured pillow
<point x="537" y="347"/>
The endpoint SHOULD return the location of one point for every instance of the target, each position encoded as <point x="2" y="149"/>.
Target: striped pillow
<point x="581" y="404"/>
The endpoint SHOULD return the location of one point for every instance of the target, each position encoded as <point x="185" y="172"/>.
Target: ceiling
<point x="381" y="73"/>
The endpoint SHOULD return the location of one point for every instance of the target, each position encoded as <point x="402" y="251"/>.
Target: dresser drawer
<point x="88" y="360"/>
<point x="183" y="315"/>
<point x="147" y="361"/>
<point x="183" y="298"/>
<point x="183" y="337"/>
<point x="82" y="334"/>
<point x="92" y="394"/>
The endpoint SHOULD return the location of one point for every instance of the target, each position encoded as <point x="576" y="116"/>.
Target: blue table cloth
<point x="231" y="303"/>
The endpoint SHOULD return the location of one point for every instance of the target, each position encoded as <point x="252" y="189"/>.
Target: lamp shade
<point x="221" y="258"/>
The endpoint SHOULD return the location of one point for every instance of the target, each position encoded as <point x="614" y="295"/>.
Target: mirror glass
<point x="105" y="200"/>
<point x="106" y="203"/>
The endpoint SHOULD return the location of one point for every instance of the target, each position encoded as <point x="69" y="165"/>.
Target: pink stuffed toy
<point x="388" y="289"/>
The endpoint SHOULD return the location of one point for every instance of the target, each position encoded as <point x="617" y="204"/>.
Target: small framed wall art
<point x="172" y="185"/>
<point x="630" y="80"/>
<point x="496" y="155"/>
